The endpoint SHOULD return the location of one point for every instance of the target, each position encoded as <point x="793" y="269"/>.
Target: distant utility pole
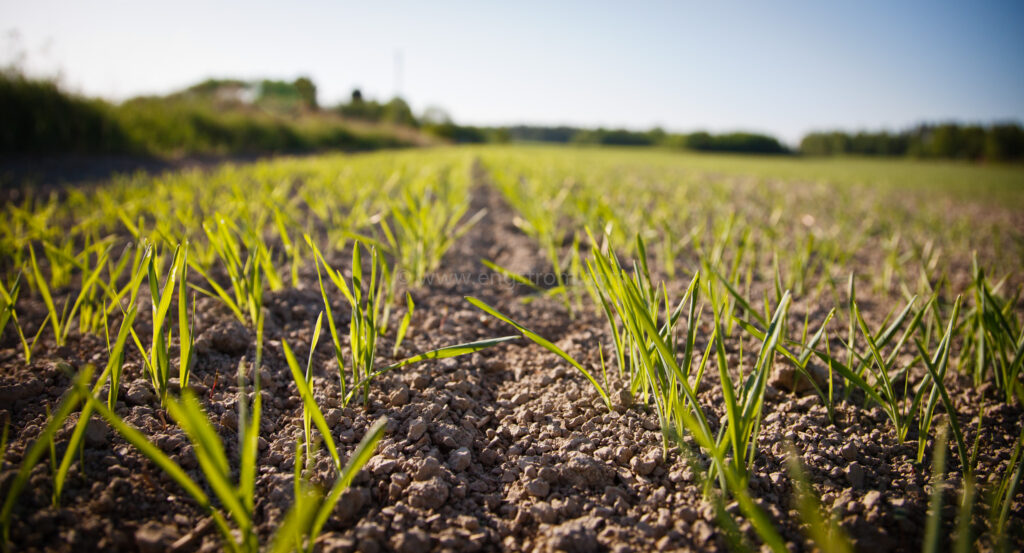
<point x="398" y="73"/>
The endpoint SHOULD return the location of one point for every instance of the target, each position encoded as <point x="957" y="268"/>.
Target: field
<point x="517" y="348"/>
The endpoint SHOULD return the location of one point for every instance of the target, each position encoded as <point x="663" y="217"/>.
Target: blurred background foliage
<point x="231" y="116"/>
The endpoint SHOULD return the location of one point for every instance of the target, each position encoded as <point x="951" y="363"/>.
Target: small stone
<point x="432" y="494"/>
<point x="229" y="419"/>
<point x="420" y="381"/>
<point x="368" y="545"/>
<point x="413" y="541"/>
<point x="380" y="465"/>
<point x="96" y="433"/>
<point x="855" y="475"/>
<point x="849" y="451"/>
<point x="153" y="537"/>
<point x="332" y="417"/>
<point x="625" y="399"/>
<point x="538" y="487"/>
<point x="16" y="392"/>
<point x="643" y="465"/>
<point x="336" y="543"/>
<point x="416" y="429"/>
<point x="582" y="470"/>
<point x="399" y="397"/>
<point x="427" y="469"/>
<point x="229" y="337"/>
<point x="460" y="459"/>
<point x="572" y="536"/>
<point x="622" y="455"/>
<point x="139" y="392"/>
<point x="549" y="474"/>
<point x="702" y="531"/>
<point x="871" y="499"/>
<point x="520" y="398"/>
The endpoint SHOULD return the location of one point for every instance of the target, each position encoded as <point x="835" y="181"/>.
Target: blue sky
<point x="784" y="67"/>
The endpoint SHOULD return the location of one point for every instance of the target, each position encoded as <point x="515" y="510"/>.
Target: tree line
<point x="228" y="116"/>
<point x="997" y="142"/>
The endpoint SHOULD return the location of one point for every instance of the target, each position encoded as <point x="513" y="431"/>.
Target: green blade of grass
<point x="536" y="338"/>
<point x="355" y="463"/>
<point x="310" y="405"/>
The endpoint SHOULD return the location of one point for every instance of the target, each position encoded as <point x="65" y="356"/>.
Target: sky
<point x="784" y="68"/>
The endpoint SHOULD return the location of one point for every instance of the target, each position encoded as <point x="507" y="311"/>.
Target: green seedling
<point x="39" y="447"/>
<point x="246" y="297"/>
<point x="158" y="359"/>
<point x="824" y="531"/>
<point x="60" y="320"/>
<point x="364" y="333"/>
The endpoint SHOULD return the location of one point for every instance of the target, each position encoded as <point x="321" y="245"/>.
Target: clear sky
<point x="782" y="67"/>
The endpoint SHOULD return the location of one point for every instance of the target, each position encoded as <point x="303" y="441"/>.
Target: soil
<point x="507" y="449"/>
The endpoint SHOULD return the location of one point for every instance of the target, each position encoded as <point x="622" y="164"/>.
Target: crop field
<point x="516" y="348"/>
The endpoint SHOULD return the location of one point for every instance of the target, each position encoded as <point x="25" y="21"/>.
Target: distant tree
<point x="307" y="91"/>
<point x="1004" y="142"/>
<point x="999" y="142"/>
<point x="699" y="140"/>
<point x="434" y="115"/>
<point x="398" y="112"/>
<point x="357" y="96"/>
<point x="613" y="137"/>
<point x="740" y="142"/>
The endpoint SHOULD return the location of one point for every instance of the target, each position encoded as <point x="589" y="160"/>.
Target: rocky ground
<point x="506" y="449"/>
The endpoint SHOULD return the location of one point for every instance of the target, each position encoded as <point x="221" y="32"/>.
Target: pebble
<point x="332" y="417"/>
<point x="139" y="392"/>
<point x="849" y="452"/>
<point x="855" y="475"/>
<point x="379" y="465"/>
<point x="572" y="536"/>
<point x="153" y="537"/>
<point x="413" y="541"/>
<point x="416" y="429"/>
<point x="427" y="469"/>
<point x="642" y="466"/>
<point x="399" y="397"/>
<point x="431" y="494"/>
<point x="460" y="459"/>
<point x="871" y="499"/>
<point x="622" y="455"/>
<point x="96" y="433"/>
<point x="538" y="487"/>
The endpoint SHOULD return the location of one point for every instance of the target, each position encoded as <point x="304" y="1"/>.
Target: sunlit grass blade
<point x="543" y="342"/>
<point x="826" y="534"/>
<point x="364" y="451"/>
<point x="310" y="407"/>
<point x="403" y="327"/>
<point x="39" y="447"/>
<point x="933" y="526"/>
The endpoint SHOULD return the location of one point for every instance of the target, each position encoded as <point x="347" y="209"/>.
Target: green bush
<point x="999" y="142"/>
<point x="37" y="117"/>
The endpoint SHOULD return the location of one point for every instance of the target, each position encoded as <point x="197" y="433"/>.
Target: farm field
<point x="517" y="348"/>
